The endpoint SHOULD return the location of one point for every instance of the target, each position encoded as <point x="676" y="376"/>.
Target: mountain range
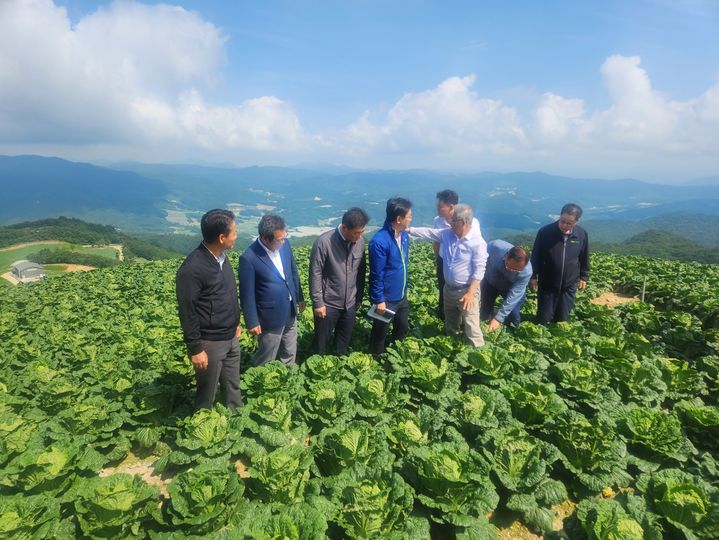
<point x="171" y="198"/>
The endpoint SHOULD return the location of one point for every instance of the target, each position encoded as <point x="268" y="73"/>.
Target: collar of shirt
<point x="472" y="234"/>
<point x="275" y="258"/>
<point x="398" y="239"/>
<point x="269" y="252"/>
<point x="440" y="223"/>
<point x="347" y="243"/>
<point x="221" y="259"/>
<point x="453" y="238"/>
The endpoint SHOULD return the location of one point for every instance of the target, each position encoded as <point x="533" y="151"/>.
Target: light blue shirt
<point x="512" y="285"/>
<point x="464" y="259"/>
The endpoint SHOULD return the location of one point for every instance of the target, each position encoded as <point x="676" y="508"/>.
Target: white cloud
<point x="131" y="81"/>
<point x="265" y="123"/>
<point x="639" y="114"/>
<point x="450" y="120"/>
<point x="556" y="117"/>
<point x="640" y="133"/>
<point x="125" y="75"/>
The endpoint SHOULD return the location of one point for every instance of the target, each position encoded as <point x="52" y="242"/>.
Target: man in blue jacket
<point x="388" y="259"/>
<point x="560" y="262"/>
<point x="507" y="275"/>
<point x="270" y="292"/>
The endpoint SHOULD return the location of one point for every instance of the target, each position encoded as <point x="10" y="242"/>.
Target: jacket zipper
<point x="564" y="252"/>
<point x="347" y="274"/>
<point x="404" y="269"/>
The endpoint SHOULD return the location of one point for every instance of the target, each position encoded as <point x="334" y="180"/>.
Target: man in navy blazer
<point x="270" y="292"/>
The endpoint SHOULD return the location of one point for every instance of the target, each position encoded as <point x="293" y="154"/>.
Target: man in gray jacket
<point x="337" y="278"/>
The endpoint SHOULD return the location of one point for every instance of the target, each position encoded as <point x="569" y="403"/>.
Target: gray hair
<point x="462" y="212"/>
<point x="269" y="224"/>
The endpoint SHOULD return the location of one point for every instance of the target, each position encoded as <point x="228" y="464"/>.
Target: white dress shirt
<point x="464" y="259"/>
<point x="275" y="258"/>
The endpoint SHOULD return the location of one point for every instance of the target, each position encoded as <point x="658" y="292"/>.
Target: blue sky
<point x="610" y="89"/>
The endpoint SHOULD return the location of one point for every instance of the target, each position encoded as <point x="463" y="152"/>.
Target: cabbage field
<point x="615" y="411"/>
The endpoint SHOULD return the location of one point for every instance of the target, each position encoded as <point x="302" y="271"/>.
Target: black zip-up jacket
<point x="207" y="299"/>
<point x="560" y="261"/>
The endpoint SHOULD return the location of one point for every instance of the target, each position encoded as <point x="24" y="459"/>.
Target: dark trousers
<point x="489" y="296"/>
<point x="223" y="366"/>
<point x="554" y="305"/>
<point x="339" y="321"/>
<point x="400" y="327"/>
<point x="440" y="284"/>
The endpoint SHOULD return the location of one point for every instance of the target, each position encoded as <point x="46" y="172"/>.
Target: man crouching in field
<point x="210" y="312"/>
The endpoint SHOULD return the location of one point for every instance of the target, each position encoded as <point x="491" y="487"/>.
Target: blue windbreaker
<point x="388" y="266"/>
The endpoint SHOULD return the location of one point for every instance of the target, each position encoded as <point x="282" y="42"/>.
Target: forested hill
<point x="34" y="187"/>
<point x="76" y="231"/>
<point x="662" y="245"/>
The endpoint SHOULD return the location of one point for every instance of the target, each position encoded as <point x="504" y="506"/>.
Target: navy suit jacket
<point x="264" y="294"/>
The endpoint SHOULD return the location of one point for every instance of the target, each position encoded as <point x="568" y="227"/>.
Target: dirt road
<point x="28" y="244"/>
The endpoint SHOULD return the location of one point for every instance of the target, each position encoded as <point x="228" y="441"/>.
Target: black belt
<point x="456" y="287"/>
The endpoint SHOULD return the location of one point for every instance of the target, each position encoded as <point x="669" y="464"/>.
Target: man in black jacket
<point x="209" y="311"/>
<point x="560" y="260"/>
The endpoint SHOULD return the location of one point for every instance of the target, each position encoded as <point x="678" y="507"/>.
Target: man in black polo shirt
<point x="210" y="313"/>
<point x="560" y="261"/>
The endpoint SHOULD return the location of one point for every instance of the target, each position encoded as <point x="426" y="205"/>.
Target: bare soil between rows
<point x="611" y="299"/>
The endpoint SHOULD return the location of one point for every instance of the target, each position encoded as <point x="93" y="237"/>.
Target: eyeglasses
<point x="510" y="269"/>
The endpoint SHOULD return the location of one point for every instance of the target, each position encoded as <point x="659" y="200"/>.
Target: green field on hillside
<point x="612" y="415"/>
<point x="9" y="256"/>
<point x="102" y="251"/>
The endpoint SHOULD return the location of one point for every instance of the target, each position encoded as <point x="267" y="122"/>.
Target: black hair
<point x="214" y="223"/>
<point x="447" y="196"/>
<point x="269" y="223"/>
<point x="572" y="209"/>
<point x="355" y="218"/>
<point x="397" y="207"/>
<point x="518" y="254"/>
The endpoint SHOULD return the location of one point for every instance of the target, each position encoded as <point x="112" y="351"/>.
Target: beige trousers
<point x="457" y="319"/>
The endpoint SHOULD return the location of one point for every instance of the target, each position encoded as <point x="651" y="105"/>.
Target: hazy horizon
<point x="338" y="167"/>
<point x="571" y="89"/>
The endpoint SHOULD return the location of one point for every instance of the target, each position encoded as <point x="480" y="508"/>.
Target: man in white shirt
<point x="464" y="258"/>
<point x="446" y="201"/>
